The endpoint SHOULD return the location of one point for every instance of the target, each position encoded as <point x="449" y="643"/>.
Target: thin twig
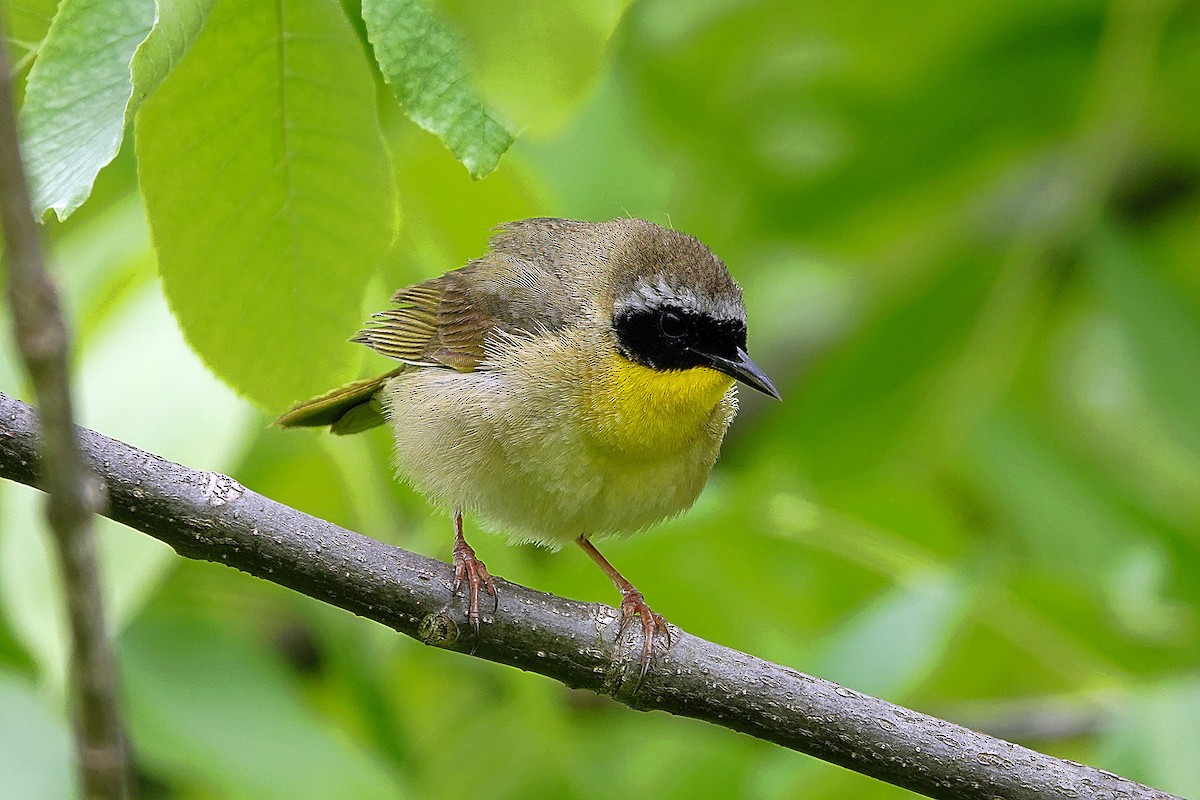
<point x="42" y="340"/>
<point x="209" y="516"/>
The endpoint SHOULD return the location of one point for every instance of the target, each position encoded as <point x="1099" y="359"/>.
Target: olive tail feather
<point x="347" y="409"/>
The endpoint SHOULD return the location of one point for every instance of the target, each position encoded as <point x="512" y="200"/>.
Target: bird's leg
<point x="470" y="569"/>
<point x="632" y="605"/>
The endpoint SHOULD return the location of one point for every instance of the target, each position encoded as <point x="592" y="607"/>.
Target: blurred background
<point x="969" y="237"/>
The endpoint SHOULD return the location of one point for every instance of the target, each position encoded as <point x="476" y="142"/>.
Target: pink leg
<point x="632" y="605"/>
<point x="470" y="569"/>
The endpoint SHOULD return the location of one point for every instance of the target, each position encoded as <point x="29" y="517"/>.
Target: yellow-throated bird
<point x="574" y="382"/>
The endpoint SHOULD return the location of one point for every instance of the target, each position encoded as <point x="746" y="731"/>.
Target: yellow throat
<point x="636" y="410"/>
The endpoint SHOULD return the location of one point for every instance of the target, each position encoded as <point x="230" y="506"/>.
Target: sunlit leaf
<point x="179" y="23"/>
<point x="421" y="58"/>
<point x="74" y="115"/>
<point x="269" y="195"/>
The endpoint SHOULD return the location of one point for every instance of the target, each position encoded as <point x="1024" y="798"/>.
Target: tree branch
<point x="42" y="340"/>
<point x="209" y="516"/>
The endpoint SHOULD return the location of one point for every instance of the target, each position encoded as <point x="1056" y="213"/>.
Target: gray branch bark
<point x="209" y="516"/>
<point x="42" y="342"/>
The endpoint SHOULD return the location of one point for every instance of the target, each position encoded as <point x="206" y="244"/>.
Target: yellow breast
<point x="642" y="412"/>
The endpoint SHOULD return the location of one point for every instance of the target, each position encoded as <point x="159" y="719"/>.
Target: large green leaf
<point x="421" y="58"/>
<point x="269" y="194"/>
<point x="179" y="23"/>
<point x="89" y="78"/>
<point x="73" y="119"/>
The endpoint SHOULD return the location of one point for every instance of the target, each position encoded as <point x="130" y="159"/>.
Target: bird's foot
<point x="471" y="571"/>
<point x="653" y="624"/>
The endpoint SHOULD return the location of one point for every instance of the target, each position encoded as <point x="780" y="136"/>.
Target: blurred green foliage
<point x="968" y="235"/>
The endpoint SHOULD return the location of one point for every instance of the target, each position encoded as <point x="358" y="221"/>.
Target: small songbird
<point x="574" y="382"/>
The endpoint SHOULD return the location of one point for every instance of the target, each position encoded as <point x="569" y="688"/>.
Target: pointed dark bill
<point x="744" y="370"/>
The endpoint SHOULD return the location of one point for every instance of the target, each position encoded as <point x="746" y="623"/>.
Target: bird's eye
<point x="673" y="325"/>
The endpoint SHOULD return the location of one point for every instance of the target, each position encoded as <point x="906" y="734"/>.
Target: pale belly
<point x="545" y="467"/>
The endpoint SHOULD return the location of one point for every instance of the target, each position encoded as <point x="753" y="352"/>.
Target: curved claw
<point x="472" y="571"/>
<point x="633" y="604"/>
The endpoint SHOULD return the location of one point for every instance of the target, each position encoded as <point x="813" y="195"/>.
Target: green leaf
<point x="179" y="23"/>
<point x="215" y="707"/>
<point x="36" y="757"/>
<point x="564" y="42"/>
<point x="447" y="214"/>
<point x="73" y="119"/>
<point x="269" y="194"/>
<point x="421" y="58"/>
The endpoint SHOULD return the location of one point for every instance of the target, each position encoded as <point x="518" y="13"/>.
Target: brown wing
<point x="436" y="323"/>
<point x="527" y="283"/>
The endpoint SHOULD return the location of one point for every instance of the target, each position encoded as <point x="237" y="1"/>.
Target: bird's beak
<point x="744" y="370"/>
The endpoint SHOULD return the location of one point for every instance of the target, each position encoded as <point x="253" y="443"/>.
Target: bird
<point x="575" y="382"/>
